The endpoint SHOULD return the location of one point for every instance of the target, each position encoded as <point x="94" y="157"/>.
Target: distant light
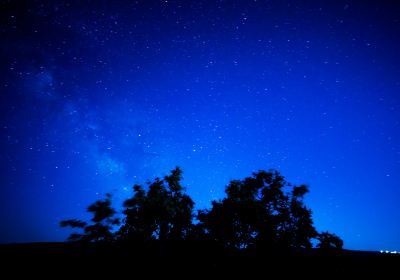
<point x="389" y="252"/>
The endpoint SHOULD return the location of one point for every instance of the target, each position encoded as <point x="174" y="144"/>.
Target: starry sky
<point x="98" y="95"/>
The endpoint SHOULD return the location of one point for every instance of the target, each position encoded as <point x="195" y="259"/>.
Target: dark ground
<point x="189" y="260"/>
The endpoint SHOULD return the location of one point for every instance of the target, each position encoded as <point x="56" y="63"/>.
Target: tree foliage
<point x="257" y="211"/>
<point x="163" y="212"/>
<point x="103" y="222"/>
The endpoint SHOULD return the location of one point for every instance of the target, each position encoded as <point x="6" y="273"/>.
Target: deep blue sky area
<point x="98" y="95"/>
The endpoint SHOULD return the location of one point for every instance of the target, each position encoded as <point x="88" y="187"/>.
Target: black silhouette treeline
<point x="262" y="212"/>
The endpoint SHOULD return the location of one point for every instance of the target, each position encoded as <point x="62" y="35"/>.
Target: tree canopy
<point x="101" y="226"/>
<point x="258" y="211"/>
<point x="162" y="212"/>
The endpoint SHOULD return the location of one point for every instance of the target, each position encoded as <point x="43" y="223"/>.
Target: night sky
<point x="98" y="95"/>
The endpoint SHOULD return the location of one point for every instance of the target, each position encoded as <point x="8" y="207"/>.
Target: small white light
<point x="381" y="251"/>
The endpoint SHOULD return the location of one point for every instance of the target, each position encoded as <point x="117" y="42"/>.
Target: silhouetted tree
<point x="262" y="211"/>
<point x="103" y="222"/>
<point x="163" y="212"/>
<point x="329" y="241"/>
<point x="258" y="211"/>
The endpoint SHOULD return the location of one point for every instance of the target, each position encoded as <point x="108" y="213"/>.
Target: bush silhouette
<point x="329" y="241"/>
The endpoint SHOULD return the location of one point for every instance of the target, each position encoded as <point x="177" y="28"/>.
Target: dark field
<point x="194" y="259"/>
